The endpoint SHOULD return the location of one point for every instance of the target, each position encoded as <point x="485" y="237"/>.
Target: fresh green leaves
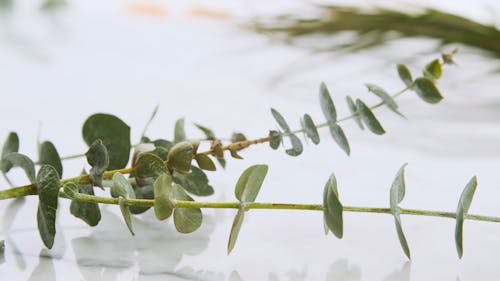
<point x="15" y="159"/>
<point x="369" y="118"/>
<point x="204" y="162"/>
<point x="340" y="138"/>
<point x="86" y="211"/>
<point x="235" y="229"/>
<point x="179" y="132"/>
<point x="405" y="75"/>
<point x="310" y="128"/>
<point x="163" y="207"/>
<point x="427" y="91"/>
<point x="275" y="139"/>
<point x="47" y="154"/>
<point x="98" y="158"/>
<point x="332" y="208"/>
<point x="433" y="70"/>
<point x="249" y="183"/>
<point x="397" y="194"/>
<point x="180" y="157"/>
<point x="354" y="111"/>
<point x="11" y="145"/>
<point x="147" y="168"/>
<point x="208" y="132"/>
<point x="297" y="147"/>
<point x="186" y="220"/>
<point x="195" y="182"/>
<point x="326" y="103"/>
<point x="47" y="182"/>
<point x="115" y="135"/>
<point x="462" y="210"/>
<point x="124" y="190"/>
<point x="385" y="97"/>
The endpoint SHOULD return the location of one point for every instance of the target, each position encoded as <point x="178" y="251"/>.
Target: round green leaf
<point x="147" y="168"/>
<point x="195" y="182"/>
<point x="405" y="75"/>
<point x="115" y="135"/>
<point x="20" y="160"/>
<point x="98" y="159"/>
<point x="180" y="157"/>
<point x="249" y="183"/>
<point x="296" y="148"/>
<point x="121" y="187"/>
<point x="163" y="207"/>
<point x="47" y="154"/>
<point x="86" y="211"/>
<point x="427" y="91"/>
<point x="186" y="220"/>
<point x="275" y="139"/>
<point x="433" y="70"/>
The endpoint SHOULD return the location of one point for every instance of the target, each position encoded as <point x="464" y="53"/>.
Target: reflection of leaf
<point x="44" y="270"/>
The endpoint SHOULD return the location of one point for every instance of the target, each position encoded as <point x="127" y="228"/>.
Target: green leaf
<point x="147" y="168"/>
<point x="405" y="75"/>
<point x="237" y="137"/>
<point x="20" y="160"/>
<point x="115" y="135"/>
<point x="354" y="111"/>
<point x="235" y="229"/>
<point x="86" y="211"/>
<point x="71" y="190"/>
<point x="47" y="154"/>
<point x="433" y="70"/>
<point x="222" y="162"/>
<point x="47" y="182"/>
<point x="122" y="187"/>
<point x="368" y="118"/>
<point x="332" y="208"/>
<point x="195" y="182"/>
<point x="163" y="207"/>
<point x="179" y="132"/>
<point x="142" y="192"/>
<point x="124" y="209"/>
<point x="280" y="120"/>
<point x="180" y="157"/>
<point x="397" y="194"/>
<point x="310" y="128"/>
<point x="153" y="115"/>
<point x="296" y="148"/>
<point x="385" y="97"/>
<point x="204" y="162"/>
<point x="249" y="183"/>
<point x="340" y="138"/>
<point x="462" y="210"/>
<point x="186" y="220"/>
<point x="209" y="134"/>
<point x="98" y="158"/>
<point x="11" y="145"/>
<point x="326" y="103"/>
<point x="427" y="91"/>
<point x="276" y="139"/>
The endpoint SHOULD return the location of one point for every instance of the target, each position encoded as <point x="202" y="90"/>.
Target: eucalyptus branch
<point x="163" y="173"/>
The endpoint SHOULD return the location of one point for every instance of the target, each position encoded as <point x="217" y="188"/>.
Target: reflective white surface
<point x="58" y="69"/>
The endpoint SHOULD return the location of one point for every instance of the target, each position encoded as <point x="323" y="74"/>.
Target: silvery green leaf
<point x="47" y="154"/>
<point x="163" y="207"/>
<point x="124" y="208"/>
<point x="385" y="97"/>
<point x="98" y="158"/>
<point x="47" y="182"/>
<point x="405" y="75"/>
<point x="86" y="211"/>
<point x="22" y="161"/>
<point x="462" y="210"/>
<point x="186" y="220"/>
<point x="209" y="134"/>
<point x="339" y="137"/>
<point x="180" y="157"/>
<point x="332" y="208"/>
<point x="113" y="133"/>
<point x="147" y="168"/>
<point x="326" y="103"/>
<point x="179" y="132"/>
<point x="121" y="187"/>
<point x="397" y="194"/>
<point x="235" y="229"/>
<point x="354" y="111"/>
<point x="249" y="183"/>
<point x="276" y="139"/>
<point x="310" y="128"/>
<point x="368" y="118"/>
<point x="296" y="148"/>
<point x="11" y="145"/>
<point x="280" y="120"/>
<point x="427" y="91"/>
